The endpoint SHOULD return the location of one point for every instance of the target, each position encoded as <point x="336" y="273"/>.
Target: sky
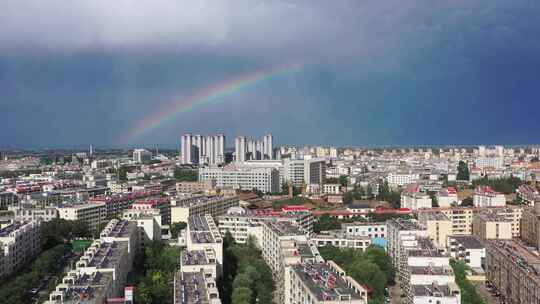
<point x="416" y="72"/>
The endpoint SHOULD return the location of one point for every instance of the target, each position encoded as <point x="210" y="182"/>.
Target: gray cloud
<point x="331" y="31"/>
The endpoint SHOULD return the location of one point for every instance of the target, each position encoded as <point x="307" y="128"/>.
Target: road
<point x="481" y="287"/>
<point x="395" y="294"/>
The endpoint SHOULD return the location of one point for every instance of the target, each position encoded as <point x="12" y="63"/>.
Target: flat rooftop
<point x="88" y="288"/>
<point x="109" y="255"/>
<point x="492" y="217"/>
<point x="202" y="231"/>
<point x="434" y="216"/>
<point x="519" y="255"/>
<point x="194" y="257"/>
<point x="120" y="229"/>
<point x="284" y="228"/>
<point x="425" y="248"/>
<point x="468" y="241"/>
<point x="339" y="235"/>
<point x="434" y="290"/>
<point x="431" y="270"/>
<point x="6" y="231"/>
<point x="192" y="201"/>
<point x="323" y="282"/>
<point x="363" y="224"/>
<point x="404" y="224"/>
<point x="191" y="288"/>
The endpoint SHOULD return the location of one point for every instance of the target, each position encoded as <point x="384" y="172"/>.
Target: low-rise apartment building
<point x="101" y="273"/>
<point x="340" y="240"/>
<point x="19" y="243"/>
<point x="485" y="196"/>
<point x="413" y="199"/>
<point x="530" y="226"/>
<point x="467" y="248"/>
<point x="528" y="195"/>
<point x="462" y="217"/>
<point x="242" y="223"/>
<point x="93" y="214"/>
<point x="285" y="245"/>
<point x="514" y="271"/>
<point x="489" y="226"/>
<point x="447" y="198"/>
<point x="182" y="207"/>
<point x="30" y="213"/>
<point x="366" y="229"/>
<point x="438" y="226"/>
<point x="195" y="187"/>
<point x="264" y="179"/>
<point x="320" y="283"/>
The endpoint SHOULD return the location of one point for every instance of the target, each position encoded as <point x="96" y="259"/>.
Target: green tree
<point x="176" y="228"/>
<point x="467" y="202"/>
<point x="185" y="175"/>
<point x="326" y="222"/>
<point x="469" y="294"/>
<point x="343" y="180"/>
<point x="463" y="171"/>
<point x="434" y="201"/>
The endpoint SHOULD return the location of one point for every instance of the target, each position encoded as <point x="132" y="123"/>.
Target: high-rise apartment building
<point x="247" y="149"/>
<point x="199" y="149"/>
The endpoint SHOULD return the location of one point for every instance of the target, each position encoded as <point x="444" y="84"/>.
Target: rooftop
<point x="435" y="290"/>
<point x="403" y="224"/>
<point x="203" y="229"/>
<point x="6" y="231"/>
<point x="431" y="270"/>
<point x="433" y="216"/>
<point x="323" y="282"/>
<point x="519" y="255"/>
<point x="191" y="201"/>
<point x="191" y="288"/>
<point x="108" y="255"/>
<point x="283" y="228"/>
<point x="468" y="241"/>
<point x="492" y="217"/>
<point x="119" y="229"/>
<point x="194" y="257"/>
<point x="84" y="287"/>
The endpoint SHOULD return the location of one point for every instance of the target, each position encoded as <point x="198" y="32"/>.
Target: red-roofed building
<point x="485" y="196"/>
<point x="447" y="197"/>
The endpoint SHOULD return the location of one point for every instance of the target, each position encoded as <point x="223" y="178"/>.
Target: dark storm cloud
<point x="376" y="71"/>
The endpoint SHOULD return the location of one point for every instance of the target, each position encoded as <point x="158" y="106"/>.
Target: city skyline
<point x="427" y="73"/>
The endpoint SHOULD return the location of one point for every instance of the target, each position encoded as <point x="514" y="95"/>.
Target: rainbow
<point x="208" y="95"/>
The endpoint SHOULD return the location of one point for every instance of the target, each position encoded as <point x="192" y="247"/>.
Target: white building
<point x="182" y="207"/>
<point x="19" y="243"/>
<point x="243" y="223"/>
<point x="199" y="149"/>
<point x="367" y="229"/>
<point x="413" y="199"/>
<point x="485" y="196"/>
<point x="467" y="248"/>
<point x="242" y="177"/>
<point x="23" y="214"/>
<point x="340" y="240"/>
<point x="248" y="149"/>
<point x="489" y="162"/>
<point x="447" y="198"/>
<point x="402" y="179"/>
<point x="92" y="213"/>
<point x="334" y="286"/>
<point x="101" y="273"/>
<point x="141" y="155"/>
<point x="304" y="171"/>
